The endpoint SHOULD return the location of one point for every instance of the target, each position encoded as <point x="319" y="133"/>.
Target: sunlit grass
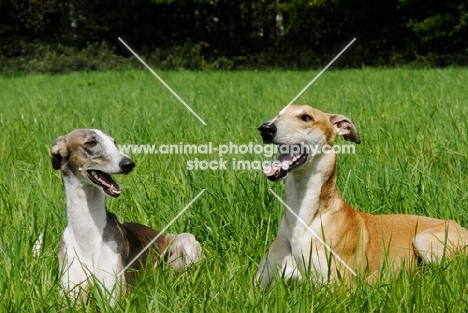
<point x="413" y="159"/>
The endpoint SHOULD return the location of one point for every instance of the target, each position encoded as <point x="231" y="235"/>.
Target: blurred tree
<point x="28" y="21"/>
<point x="437" y="26"/>
<point x="301" y="33"/>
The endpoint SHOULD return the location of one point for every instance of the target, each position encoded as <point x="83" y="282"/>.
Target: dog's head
<point x="301" y="131"/>
<point x="91" y="156"/>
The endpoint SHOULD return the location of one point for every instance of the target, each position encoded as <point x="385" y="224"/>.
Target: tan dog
<point x="94" y="244"/>
<point x="362" y="241"/>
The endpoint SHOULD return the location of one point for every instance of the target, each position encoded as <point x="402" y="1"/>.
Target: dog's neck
<point x="86" y="210"/>
<point x="312" y="192"/>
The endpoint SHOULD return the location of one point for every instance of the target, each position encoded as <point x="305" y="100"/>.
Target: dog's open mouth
<point x="286" y="162"/>
<point x="105" y="181"/>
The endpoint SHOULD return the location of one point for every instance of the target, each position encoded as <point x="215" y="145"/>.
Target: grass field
<point x="413" y="159"/>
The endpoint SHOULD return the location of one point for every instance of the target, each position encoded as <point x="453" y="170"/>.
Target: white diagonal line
<point x="163" y="82"/>
<point x="314" y="233"/>
<point x="313" y="80"/>
<point x="161" y="232"/>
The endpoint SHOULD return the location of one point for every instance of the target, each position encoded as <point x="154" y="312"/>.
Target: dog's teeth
<point x="114" y="189"/>
<point x="285" y="165"/>
<point x="296" y="157"/>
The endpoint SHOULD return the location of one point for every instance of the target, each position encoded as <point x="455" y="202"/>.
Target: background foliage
<point x="227" y="34"/>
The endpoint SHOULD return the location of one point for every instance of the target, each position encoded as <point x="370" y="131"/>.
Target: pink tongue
<point x="107" y="181"/>
<point x="269" y="171"/>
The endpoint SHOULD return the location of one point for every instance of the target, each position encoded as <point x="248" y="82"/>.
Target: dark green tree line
<point x="298" y="33"/>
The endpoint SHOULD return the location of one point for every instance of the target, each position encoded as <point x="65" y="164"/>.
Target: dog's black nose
<point x="127" y="165"/>
<point x="268" y="132"/>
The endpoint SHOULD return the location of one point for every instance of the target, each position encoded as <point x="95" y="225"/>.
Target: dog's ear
<point x="343" y="126"/>
<point x="58" y="151"/>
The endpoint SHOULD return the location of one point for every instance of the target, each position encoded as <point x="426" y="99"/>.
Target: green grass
<point x="413" y="159"/>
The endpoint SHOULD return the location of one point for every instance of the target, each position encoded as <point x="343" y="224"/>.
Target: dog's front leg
<point x="278" y="263"/>
<point x="184" y="251"/>
<point x="73" y="278"/>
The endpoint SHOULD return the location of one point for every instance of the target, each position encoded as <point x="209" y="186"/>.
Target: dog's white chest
<point x="309" y="252"/>
<point x="83" y="260"/>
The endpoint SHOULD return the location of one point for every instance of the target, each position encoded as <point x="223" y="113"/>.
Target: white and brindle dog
<point x="94" y="244"/>
<point x="363" y="241"/>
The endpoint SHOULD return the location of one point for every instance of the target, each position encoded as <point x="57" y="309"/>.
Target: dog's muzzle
<point x="268" y="132"/>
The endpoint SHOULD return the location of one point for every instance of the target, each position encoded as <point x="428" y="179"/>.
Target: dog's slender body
<point x="363" y="241"/>
<point x="94" y="244"/>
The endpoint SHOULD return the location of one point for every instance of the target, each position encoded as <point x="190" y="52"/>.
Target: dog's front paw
<point x="184" y="251"/>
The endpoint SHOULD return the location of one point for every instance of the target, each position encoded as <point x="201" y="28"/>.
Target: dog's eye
<point x="306" y="117"/>
<point x="90" y="143"/>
